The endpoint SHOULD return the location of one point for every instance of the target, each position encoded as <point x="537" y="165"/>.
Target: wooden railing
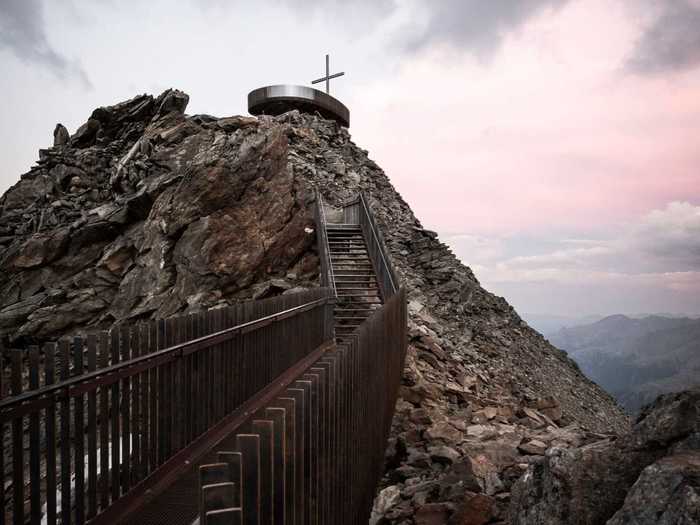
<point x="313" y="452"/>
<point x="119" y="414"/>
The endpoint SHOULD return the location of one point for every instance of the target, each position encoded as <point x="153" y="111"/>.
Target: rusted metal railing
<point x="98" y="424"/>
<point x="327" y="277"/>
<point x="379" y="255"/>
<point x="314" y="453"/>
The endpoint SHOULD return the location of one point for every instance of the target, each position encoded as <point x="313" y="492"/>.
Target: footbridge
<point x="266" y="412"/>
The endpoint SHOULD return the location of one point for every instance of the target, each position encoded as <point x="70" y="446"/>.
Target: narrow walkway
<point x="354" y="278"/>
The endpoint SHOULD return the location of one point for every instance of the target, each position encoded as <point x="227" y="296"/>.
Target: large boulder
<point x="666" y="493"/>
<point x="656" y="463"/>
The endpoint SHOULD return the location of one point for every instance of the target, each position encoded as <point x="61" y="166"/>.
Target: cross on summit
<point x="282" y="98"/>
<point x="328" y="76"/>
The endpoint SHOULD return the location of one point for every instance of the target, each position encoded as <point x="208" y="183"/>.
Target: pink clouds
<point x="552" y="131"/>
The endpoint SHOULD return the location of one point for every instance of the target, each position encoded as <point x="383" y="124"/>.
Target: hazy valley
<point x="635" y="359"/>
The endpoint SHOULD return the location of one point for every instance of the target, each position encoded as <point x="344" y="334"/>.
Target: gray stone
<point x="61" y="137"/>
<point x="443" y="454"/>
<point x="534" y="447"/>
<point x="593" y="482"/>
<point x="666" y="493"/>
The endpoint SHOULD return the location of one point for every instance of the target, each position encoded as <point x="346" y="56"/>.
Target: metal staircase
<point x="358" y="293"/>
<point x="355" y="264"/>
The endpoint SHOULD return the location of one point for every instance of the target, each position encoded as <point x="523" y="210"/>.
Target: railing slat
<point x="34" y="444"/>
<point x="154" y="390"/>
<point x="125" y="409"/>
<point x="136" y="421"/>
<point x="143" y="403"/>
<point x="263" y="428"/>
<point x="50" y="429"/>
<point x="92" y="430"/>
<point x="115" y="441"/>
<point x="64" y="373"/>
<point x="17" y="443"/>
<point x="103" y="362"/>
<point x="249" y="447"/>
<point x="233" y="462"/>
<point x="79" y="437"/>
<point x="2" y="433"/>
<point x="162" y="396"/>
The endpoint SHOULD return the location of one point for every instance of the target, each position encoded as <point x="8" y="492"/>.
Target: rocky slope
<point x="636" y="359"/>
<point x="147" y="212"/>
<point x="649" y="476"/>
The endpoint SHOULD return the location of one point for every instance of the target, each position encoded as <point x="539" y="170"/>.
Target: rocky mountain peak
<point x="148" y="212"/>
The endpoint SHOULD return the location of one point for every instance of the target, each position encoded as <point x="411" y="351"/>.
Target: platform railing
<point x="327" y="277"/>
<point x="379" y="254"/>
<point x="314" y="453"/>
<point x="98" y="424"/>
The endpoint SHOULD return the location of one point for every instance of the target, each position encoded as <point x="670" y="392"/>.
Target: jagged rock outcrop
<point x="651" y="475"/>
<point x="148" y="212"/>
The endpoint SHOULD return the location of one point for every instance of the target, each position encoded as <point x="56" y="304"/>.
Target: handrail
<point x="376" y="238"/>
<point x="179" y="350"/>
<point x="324" y="246"/>
<point x="380" y="245"/>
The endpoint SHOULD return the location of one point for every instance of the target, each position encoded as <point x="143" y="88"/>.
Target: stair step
<point x="374" y="300"/>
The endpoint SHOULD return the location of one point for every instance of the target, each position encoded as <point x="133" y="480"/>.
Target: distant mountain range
<point x="548" y="324"/>
<point x="635" y="359"/>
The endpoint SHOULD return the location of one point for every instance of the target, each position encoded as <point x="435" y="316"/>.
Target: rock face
<point x="649" y="476"/>
<point x="147" y="212"/>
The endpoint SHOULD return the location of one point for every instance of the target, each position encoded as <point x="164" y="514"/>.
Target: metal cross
<point x="327" y="77"/>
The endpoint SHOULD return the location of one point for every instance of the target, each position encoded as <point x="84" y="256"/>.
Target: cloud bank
<point x="22" y="32"/>
<point x="672" y="40"/>
<point x="474" y="25"/>
<point x="657" y="258"/>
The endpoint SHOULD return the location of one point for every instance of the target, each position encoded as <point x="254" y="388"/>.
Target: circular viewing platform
<point x="275" y="100"/>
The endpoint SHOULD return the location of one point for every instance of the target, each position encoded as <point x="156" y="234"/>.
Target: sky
<point x="553" y="144"/>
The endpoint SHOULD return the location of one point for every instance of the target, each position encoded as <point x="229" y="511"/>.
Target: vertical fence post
<point x="92" y="430"/>
<point x="64" y="374"/>
<point x="114" y="420"/>
<point x="17" y="443"/>
<point x="34" y="443"/>
<point x="50" y="427"/>
<point x="103" y="362"/>
<point x="2" y="433"/>
<point x="79" y="437"/>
